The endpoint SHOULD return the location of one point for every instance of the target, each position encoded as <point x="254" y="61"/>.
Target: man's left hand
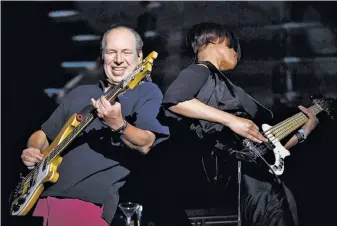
<point x="110" y="113"/>
<point x="312" y="120"/>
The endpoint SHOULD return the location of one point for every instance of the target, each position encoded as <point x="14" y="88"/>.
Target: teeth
<point x="118" y="69"/>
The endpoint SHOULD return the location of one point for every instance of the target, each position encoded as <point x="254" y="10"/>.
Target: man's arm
<point x="307" y="127"/>
<point x="140" y="136"/>
<point x="198" y="110"/>
<point x="291" y="142"/>
<point x="147" y="130"/>
<point x="138" y="139"/>
<point x="38" y="140"/>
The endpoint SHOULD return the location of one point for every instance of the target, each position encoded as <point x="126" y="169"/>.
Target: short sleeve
<point x="146" y="115"/>
<point x="52" y="127"/>
<point x="187" y="85"/>
<point x="55" y="122"/>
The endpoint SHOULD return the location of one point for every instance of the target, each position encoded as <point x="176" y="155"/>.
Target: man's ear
<point x="140" y="56"/>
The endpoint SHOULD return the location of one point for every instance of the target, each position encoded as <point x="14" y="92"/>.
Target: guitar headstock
<point x="328" y="105"/>
<point x="143" y="70"/>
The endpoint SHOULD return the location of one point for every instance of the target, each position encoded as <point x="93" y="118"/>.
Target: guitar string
<point x="295" y="121"/>
<point x="287" y="126"/>
<point x="281" y="123"/>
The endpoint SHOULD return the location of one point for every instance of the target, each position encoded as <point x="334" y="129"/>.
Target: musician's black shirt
<point x="209" y="86"/>
<point x="95" y="164"/>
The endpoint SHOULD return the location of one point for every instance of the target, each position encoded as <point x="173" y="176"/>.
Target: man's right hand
<point x="31" y="156"/>
<point x="246" y="128"/>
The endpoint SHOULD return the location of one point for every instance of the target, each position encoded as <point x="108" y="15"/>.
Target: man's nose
<point x="119" y="58"/>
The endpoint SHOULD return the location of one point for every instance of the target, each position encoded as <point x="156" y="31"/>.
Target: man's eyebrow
<point x="111" y="49"/>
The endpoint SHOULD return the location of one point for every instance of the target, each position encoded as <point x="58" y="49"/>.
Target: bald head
<point x="138" y="39"/>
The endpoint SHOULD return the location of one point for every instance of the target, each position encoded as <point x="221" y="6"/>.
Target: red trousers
<point x="69" y="212"/>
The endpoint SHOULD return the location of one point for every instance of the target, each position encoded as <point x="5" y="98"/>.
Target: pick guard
<point x="279" y="151"/>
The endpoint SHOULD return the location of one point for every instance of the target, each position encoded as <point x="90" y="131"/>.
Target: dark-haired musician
<point x="203" y="101"/>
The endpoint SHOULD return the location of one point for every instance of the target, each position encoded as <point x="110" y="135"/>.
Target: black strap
<point x="212" y="68"/>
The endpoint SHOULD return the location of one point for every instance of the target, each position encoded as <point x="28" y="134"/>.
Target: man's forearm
<point x="198" y="110"/>
<point x="138" y="139"/>
<point x="291" y="142"/>
<point x="38" y="140"/>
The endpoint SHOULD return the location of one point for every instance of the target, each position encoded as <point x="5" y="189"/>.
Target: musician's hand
<point x="246" y="128"/>
<point x="110" y="113"/>
<point x="31" y="156"/>
<point x="312" y="120"/>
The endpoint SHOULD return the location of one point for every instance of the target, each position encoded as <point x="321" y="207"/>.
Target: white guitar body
<point x="279" y="151"/>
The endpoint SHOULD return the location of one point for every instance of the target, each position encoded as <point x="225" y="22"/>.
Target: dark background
<point x="33" y="46"/>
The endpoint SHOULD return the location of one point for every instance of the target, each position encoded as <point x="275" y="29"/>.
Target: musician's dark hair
<point x="204" y="33"/>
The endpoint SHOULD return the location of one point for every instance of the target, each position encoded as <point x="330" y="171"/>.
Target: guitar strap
<point x="214" y="69"/>
<point x="245" y="98"/>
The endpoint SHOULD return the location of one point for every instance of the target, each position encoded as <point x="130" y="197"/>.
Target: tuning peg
<point x="329" y="107"/>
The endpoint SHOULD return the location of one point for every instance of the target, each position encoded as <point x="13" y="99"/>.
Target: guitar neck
<point x="76" y="131"/>
<point x="112" y="93"/>
<point x="284" y="128"/>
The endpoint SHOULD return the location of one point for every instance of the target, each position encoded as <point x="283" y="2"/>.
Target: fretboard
<point x="284" y="128"/>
